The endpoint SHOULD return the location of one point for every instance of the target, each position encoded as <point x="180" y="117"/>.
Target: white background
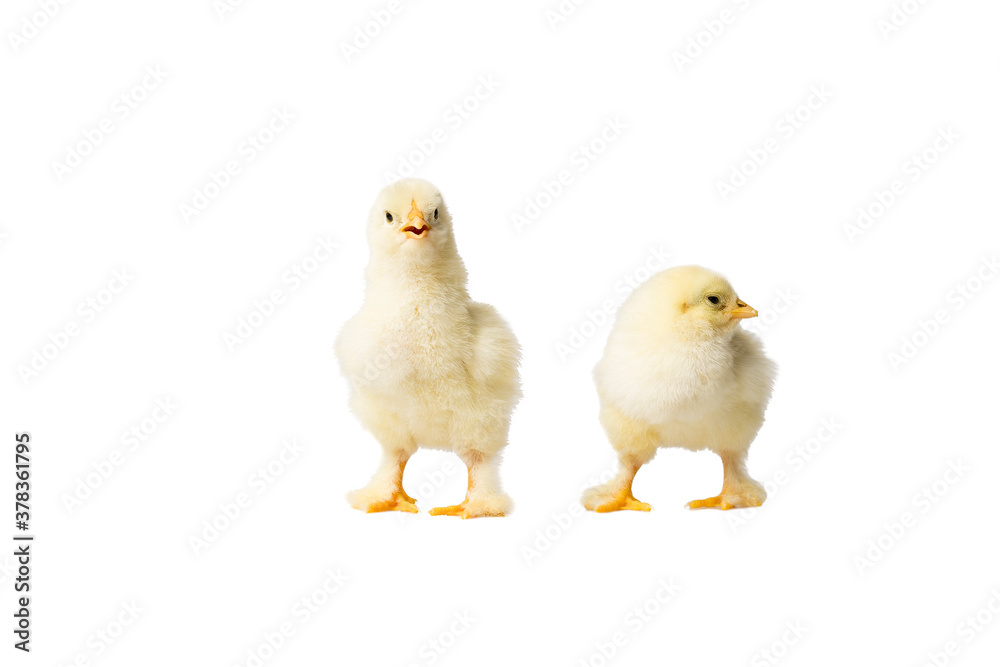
<point x="546" y="585"/>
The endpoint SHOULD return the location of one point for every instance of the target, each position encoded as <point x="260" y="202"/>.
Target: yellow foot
<point x="399" y="502"/>
<point x="463" y="511"/>
<point x="623" y="501"/>
<point x="717" y="502"/>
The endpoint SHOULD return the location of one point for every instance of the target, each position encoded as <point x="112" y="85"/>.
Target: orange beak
<point x="742" y="310"/>
<point x="416" y="227"/>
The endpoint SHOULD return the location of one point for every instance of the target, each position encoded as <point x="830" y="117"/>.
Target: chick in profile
<point x="679" y="371"/>
<point x="428" y="366"/>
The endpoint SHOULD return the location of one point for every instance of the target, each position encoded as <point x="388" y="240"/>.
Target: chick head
<point x="410" y="220"/>
<point x="703" y="302"/>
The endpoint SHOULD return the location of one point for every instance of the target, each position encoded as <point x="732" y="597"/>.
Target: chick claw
<point x="624" y="501"/>
<point x="399" y="502"/>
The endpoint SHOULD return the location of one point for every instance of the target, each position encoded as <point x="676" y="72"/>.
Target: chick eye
<point x="435" y="214"/>
<point x="714" y="300"/>
<point x="388" y="216"/>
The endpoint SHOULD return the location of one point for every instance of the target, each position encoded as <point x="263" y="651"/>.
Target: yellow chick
<point x="428" y="366"/>
<point x="678" y="371"/>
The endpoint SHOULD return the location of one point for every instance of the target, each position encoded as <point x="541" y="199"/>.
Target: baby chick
<point x="428" y="366"/>
<point x="678" y="371"/>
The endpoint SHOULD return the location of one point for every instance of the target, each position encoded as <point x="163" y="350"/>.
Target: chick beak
<point x="416" y="227"/>
<point x="742" y="310"/>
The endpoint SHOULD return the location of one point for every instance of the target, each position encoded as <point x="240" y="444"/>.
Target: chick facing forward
<point x="428" y="367"/>
<point x="679" y="371"/>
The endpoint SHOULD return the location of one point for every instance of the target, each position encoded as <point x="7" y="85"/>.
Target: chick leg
<point x="484" y="496"/>
<point x="636" y="444"/>
<point x="385" y="491"/>
<point x="738" y="488"/>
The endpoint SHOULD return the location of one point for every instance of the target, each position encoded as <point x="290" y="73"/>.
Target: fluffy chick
<point x="428" y="366"/>
<point x="679" y="371"/>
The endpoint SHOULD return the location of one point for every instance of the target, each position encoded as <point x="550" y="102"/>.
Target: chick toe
<point x="472" y="509"/>
<point x="727" y="500"/>
<point x="715" y="502"/>
<point x="398" y="502"/>
<point x="466" y="511"/>
<point x="449" y="510"/>
<point x="629" y="503"/>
